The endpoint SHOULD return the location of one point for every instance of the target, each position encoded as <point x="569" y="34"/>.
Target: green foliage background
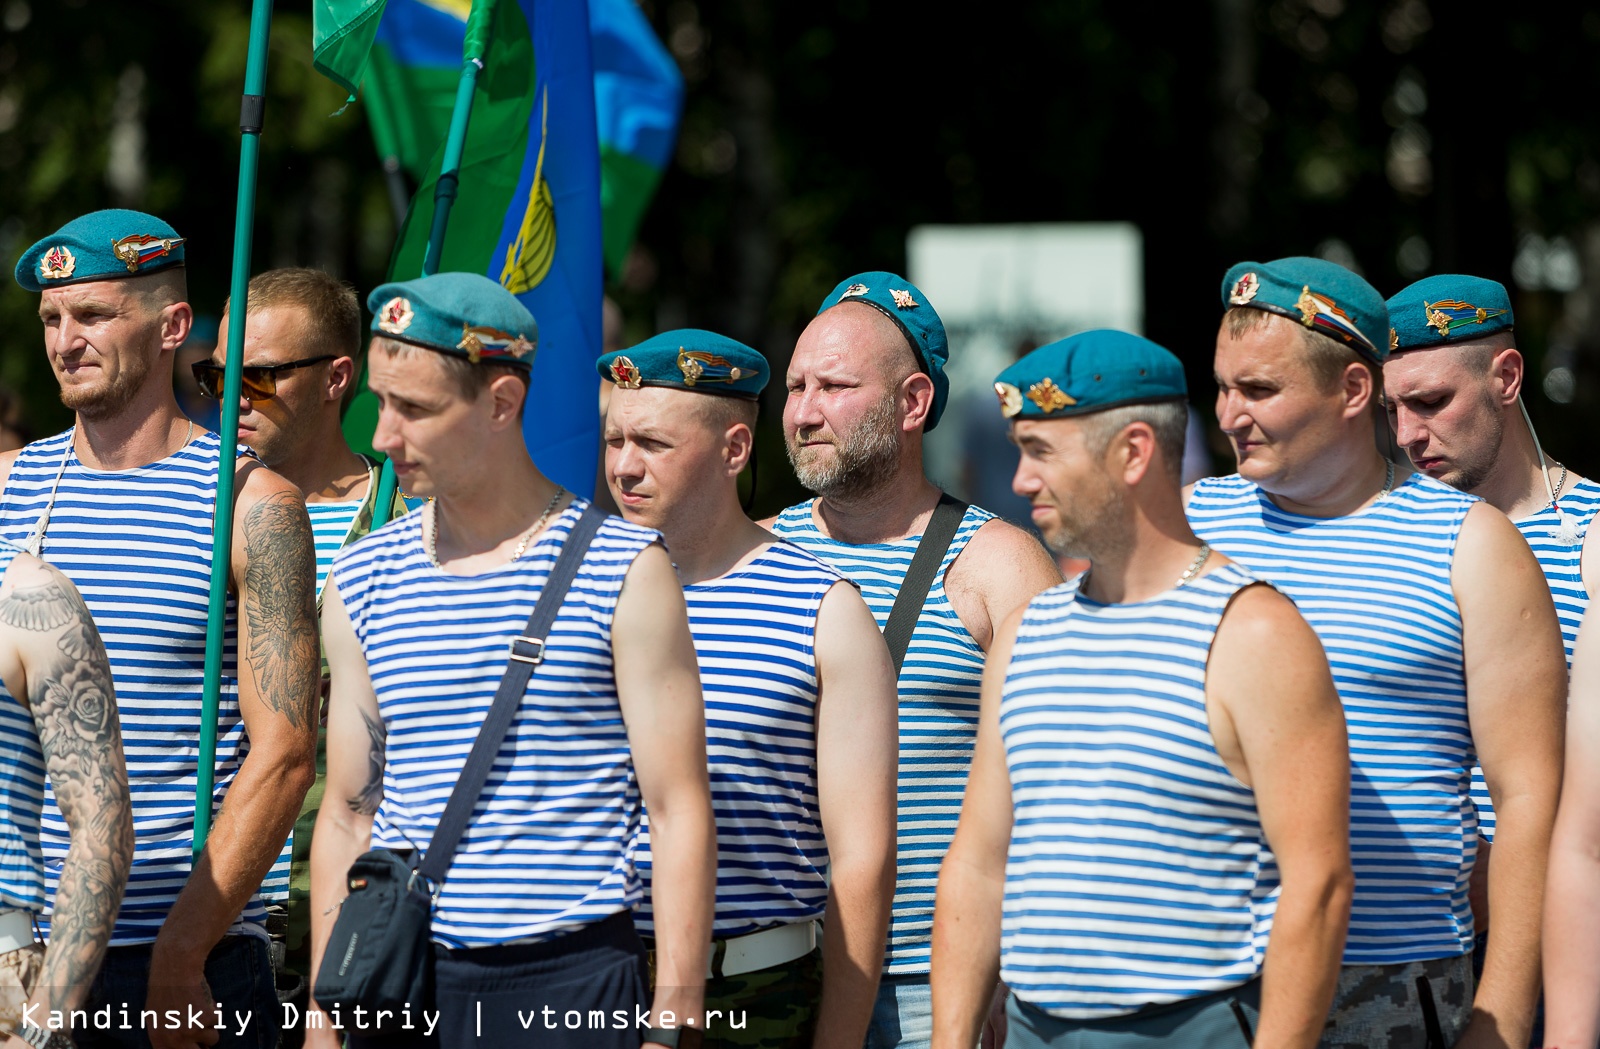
<point x="1384" y="132"/>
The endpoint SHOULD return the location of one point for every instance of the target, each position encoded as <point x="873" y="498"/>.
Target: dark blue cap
<point x="688" y="359"/>
<point x="902" y="302"/>
<point x="1446" y="308"/>
<point x="1089" y="372"/>
<point x="462" y="314"/>
<point x="102" y="245"/>
<point x="1322" y="295"/>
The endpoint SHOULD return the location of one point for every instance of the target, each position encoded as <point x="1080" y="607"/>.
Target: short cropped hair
<point x="1169" y="420"/>
<point x="469" y="379"/>
<point x="1326" y="356"/>
<point x="333" y="313"/>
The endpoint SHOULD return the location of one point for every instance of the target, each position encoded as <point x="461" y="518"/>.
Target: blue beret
<point x="1089" y="372"/>
<point x="1322" y="295"/>
<point x="902" y="302"/>
<point x="102" y="245"/>
<point x="462" y="314"/>
<point x="688" y="359"/>
<point x="1446" y="308"/>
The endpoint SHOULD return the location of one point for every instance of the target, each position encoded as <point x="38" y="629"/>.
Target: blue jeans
<point x="902" y="1018"/>
<point x="238" y="971"/>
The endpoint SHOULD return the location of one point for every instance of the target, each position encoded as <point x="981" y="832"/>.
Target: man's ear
<point x="739" y="445"/>
<point x="341" y="373"/>
<point x="1360" y="389"/>
<point x="176" y="320"/>
<point x="507" y="392"/>
<point x="1507" y="370"/>
<point x="916" y="393"/>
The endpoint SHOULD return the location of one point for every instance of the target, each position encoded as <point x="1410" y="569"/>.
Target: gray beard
<point x="862" y="463"/>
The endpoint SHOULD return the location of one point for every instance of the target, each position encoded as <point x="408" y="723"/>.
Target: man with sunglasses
<point x="123" y="503"/>
<point x="302" y="349"/>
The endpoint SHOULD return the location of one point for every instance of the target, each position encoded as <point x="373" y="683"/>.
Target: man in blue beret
<point x="123" y="504"/>
<point x="419" y="622"/>
<point x="1453" y="386"/>
<point x="1443" y="641"/>
<point x="800" y="706"/>
<point x="1162" y="722"/>
<point x="865" y="382"/>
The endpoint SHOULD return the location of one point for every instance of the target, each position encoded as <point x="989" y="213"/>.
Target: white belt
<point x="762" y="950"/>
<point x="16" y="930"/>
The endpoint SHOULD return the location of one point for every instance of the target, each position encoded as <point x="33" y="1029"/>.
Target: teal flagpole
<point x="251" y="110"/>
<point x="444" y="190"/>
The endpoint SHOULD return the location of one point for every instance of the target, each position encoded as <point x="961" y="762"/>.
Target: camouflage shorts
<point x="1381" y="1007"/>
<point x="774" y="1008"/>
<point x="19" y="969"/>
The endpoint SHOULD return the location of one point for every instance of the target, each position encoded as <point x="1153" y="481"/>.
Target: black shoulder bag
<point x="380" y="953"/>
<point x="920" y="574"/>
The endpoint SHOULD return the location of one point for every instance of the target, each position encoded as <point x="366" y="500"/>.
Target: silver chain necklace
<point x="431" y="530"/>
<point x="1556" y="492"/>
<point x="1199" y="562"/>
<point x="1388" y="478"/>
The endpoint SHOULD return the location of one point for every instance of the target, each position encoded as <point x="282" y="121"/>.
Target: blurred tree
<point x="1397" y="136"/>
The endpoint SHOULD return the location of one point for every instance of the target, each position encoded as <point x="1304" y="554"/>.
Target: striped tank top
<point x="22" y="783"/>
<point x="754" y="636"/>
<point x="550" y="844"/>
<point x="1375" y="586"/>
<point x="938" y="715"/>
<point x="330" y="527"/>
<point x="1562" y="564"/>
<point x="137" y="543"/>
<point x="1137" y="873"/>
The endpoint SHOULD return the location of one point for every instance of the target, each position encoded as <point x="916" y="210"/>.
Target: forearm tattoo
<point x="74" y="707"/>
<point x="280" y="604"/>
<point x="365" y="801"/>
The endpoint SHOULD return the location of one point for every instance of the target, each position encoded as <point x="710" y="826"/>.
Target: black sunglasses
<point x="256" y="383"/>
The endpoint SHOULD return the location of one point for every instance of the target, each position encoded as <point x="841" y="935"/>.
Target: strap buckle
<point x="427" y="883"/>
<point x="528" y="650"/>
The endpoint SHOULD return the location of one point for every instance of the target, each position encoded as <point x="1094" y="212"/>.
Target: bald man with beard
<point x="866" y="382"/>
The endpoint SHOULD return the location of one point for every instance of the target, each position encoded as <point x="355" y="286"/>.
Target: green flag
<point x="341" y="38"/>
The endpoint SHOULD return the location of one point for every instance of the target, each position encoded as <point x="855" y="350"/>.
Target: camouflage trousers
<point x="19" y="970"/>
<point x="1382" y="1006"/>
<point x="774" y="1008"/>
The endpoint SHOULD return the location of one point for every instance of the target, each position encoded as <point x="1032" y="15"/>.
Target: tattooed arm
<point x="51" y="654"/>
<point x="274" y="570"/>
<point x="356" y="740"/>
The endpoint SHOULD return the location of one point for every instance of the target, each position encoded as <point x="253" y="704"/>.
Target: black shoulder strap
<point x="920" y="576"/>
<point x="526" y="653"/>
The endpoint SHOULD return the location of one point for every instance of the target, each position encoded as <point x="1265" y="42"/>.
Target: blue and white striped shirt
<point x="22" y="783"/>
<point x="755" y="638"/>
<point x="1375" y="586"/>
<point x="330" y="527"/>
<point x="137" y="543"/>
<point x="550" y="844"/>
<point x="1137" y="873"/>
<point x="1563" y="570"/>
<point x="938" y="714"/>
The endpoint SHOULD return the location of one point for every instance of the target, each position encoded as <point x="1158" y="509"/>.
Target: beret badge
<point x="1446" y="315"/>
<point x="693" y="365"/>
<point x="625" y="374"/>
<point x="1049" y="397"/>
<point x="479" y="340"/>
<point x="140" y="249"/>
<point x="1244" y="289"/>
<point x="57" y="263"/>
<point x="852" y="291"/>
<point x="395" y="315"/>
<point x="902" y="299"/>
<point x="1010" y="399"/>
